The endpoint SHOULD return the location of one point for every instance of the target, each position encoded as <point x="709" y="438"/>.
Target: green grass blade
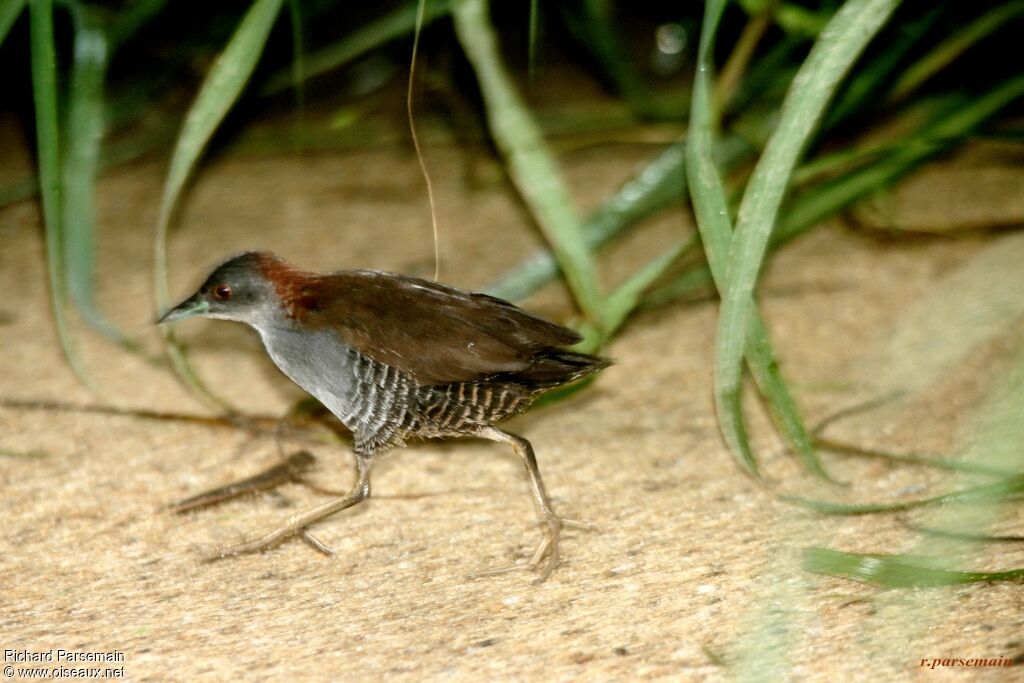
<point x="707" y="192"/>
<point x="222" y="86"/>
<point x="764" y="367"/>
<point x="121" y="27"/>
<point x="710" y="204"/>
<point x="954" y="46"/>
<point x="954" y="118"/>
<point x="874" y="77"/>
<point x="626" y="297"/>
<point x="531" y="164"/>
<point x="695" y="281"/>
<point x="790" y="16"/>
<point x="661" y="183"/>
<point x="834" y="53"/>
<point x="298" y="58"/>
<point x="957" y="118"/>
<point x="9" y="12"/>
<point x="894" y="571"/>
<point x="950" y="464"/>
<point x="83" y="130"/>
<point x="949" y="119"/>
<point x="130" y="19"/>
<point x="994" y="440"/>
<point x="398" y="23"/>
<point x="44" y="92"/>
<point x="965" y="536"/>
<point x="1011" y="486"/>
<point x="532" y="38"/>
<point x="83" y="133"/>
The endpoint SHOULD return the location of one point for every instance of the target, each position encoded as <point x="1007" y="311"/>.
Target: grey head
<point x="244" y="289"/>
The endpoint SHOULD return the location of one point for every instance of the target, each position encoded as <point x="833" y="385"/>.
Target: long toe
<point x="577" y="524"/>
<point x="545" y="558"/>
<point x="253" y="544"/>
<point x="548" y="548"/>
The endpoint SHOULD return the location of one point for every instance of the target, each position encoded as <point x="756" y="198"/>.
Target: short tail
<point x="556" y="367"/>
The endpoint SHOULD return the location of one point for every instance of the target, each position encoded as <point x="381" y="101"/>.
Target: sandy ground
<point x="694" y="572"/>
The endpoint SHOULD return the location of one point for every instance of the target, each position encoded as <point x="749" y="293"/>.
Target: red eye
<point x="222" y="292"/>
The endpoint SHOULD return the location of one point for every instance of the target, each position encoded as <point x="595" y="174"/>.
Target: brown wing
<point x="435" y="333"/>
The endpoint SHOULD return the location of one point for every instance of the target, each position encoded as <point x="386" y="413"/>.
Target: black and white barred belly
<point x="381" y="405"/>
<point x="464" y="407"/>
<point x="390" y="407"/>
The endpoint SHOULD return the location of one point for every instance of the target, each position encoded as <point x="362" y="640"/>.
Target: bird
<point x="396" y="357"/>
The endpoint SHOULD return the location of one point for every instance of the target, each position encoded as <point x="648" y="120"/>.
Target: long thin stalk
<point x="9" y="12"/>
<point x="219" y="92"/>
<point x="834" y="53"/>
<point x="707" y="192"/>
<point x="531" y="164"/>
<point x="395" y="24"/>
<point x="44" y="91"/>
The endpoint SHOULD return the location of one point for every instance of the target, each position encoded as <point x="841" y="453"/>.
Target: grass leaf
<point x="531" y="163"/>
<point x="9" y="12"/>
<point x="1011" y="486"/>
<point x="834" y="53"/>
<point x="83" y="129"/>
<point x="83" y="132"/>
<point x="659" y="185"/>
<point x="44" y="92"/>
<point x="954" y="46"/>
<point x="399" y="22"/>
<point x="626" y="297"/>
<point x="710" y="204"/>
<point x="707" y="191"/>
<point x="895" y="571"/>
<point x="790" y="16"/>
<point x="222" y="86"/>
<point x="874" y="77"/>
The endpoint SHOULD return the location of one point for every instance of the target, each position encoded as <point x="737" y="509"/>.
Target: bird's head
<point x="246" y="288"/>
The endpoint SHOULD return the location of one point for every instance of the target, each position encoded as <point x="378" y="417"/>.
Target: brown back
<point x="435" y="333"/>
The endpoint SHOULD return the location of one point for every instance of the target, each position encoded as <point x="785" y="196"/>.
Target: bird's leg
<point x="296" y="525"/>
<point x="551" y="522"/>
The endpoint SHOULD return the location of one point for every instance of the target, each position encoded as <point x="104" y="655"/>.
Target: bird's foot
<point x="546" y="557"/>
<point x="260" y="543"/>
<point x="297" y="525"/>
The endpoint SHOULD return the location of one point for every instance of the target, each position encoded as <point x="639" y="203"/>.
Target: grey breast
<point x="370" y="398"/>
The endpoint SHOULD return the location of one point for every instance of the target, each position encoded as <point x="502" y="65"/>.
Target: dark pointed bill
<point x="189" y="308"/>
